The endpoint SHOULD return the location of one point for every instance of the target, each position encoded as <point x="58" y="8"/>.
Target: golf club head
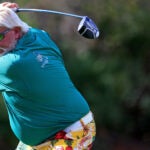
<point x="88" y="28"/>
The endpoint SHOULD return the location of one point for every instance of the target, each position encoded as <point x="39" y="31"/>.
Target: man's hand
<point x="13" y="6"/>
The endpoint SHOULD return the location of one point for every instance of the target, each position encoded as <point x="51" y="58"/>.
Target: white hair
<point x="9" y="19"/>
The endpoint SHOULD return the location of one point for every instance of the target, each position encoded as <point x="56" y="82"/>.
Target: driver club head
<point x="88" y="28"/>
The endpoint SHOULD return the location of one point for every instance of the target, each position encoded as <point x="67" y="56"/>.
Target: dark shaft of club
<point x="48" y="11"/>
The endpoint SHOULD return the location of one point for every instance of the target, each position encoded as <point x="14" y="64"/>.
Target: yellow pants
<point x="75" y="140"/>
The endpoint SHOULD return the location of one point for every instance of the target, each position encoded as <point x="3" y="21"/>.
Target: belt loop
<point x="82" y="123"/>
<point x="85" y="128"/>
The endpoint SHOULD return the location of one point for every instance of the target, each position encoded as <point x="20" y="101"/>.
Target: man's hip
<point x="78" y="136"/>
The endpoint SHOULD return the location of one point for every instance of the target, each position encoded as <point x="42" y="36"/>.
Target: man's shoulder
<point x="37" y="30"/>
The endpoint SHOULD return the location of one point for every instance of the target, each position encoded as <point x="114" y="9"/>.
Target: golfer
<point x="45" y="109"/>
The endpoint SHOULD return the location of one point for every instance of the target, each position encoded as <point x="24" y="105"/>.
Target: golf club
<point x="87" y="28"/>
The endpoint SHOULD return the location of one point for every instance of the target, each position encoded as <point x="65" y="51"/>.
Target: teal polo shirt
<point x="39" y="95"/>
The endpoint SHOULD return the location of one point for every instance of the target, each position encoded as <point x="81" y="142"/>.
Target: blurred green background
<point x="112" y="72"/>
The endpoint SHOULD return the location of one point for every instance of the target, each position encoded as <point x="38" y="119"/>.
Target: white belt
<point x="78" y="125"/>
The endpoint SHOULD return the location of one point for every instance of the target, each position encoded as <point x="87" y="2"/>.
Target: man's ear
<point x="18" y="32"/>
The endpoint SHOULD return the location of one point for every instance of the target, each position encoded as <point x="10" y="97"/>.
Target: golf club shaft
<point x="48" y="11"/>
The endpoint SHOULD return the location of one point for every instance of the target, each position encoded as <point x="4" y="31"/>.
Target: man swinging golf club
<point x="46" y="111"/>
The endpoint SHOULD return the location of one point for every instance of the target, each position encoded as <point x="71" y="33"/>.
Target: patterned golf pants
<point x="75" y="139"/>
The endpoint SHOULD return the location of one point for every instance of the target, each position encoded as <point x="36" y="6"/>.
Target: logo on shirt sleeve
<point x="43" y="60"/>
